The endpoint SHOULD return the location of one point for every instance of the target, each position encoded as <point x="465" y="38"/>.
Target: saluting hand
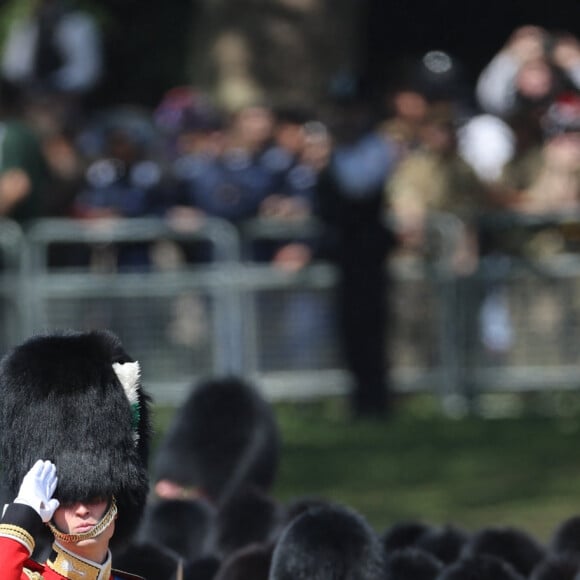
<point x="37" y="488"/>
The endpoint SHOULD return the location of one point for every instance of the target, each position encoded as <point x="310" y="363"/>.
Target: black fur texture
<point x="480" y="567"/>
<point x="566" y="537"/>
<point x="557" y="567"/>
<point x="412" y="564"/>
<point x="248" y="517"/>
<point x="511" y="544"/>
<point x="444" y="542"/>
<point x="148" y="560"/>
<point x="329" y="543"/>
<point x="184" y="526"/>
<point x="204" y="568"/>
<point x="403" y="534"/>
<point x="225" y="436"/>
<point x="61" y="400"/>
<point x="249" y="563"/>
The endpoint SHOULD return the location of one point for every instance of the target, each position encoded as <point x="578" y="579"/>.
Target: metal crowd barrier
<point x="510" y="326"/>
<point x="308" y="363"/>
<point x="525" y="300"/>
<point x="180" y="322"/>
<point x="12" y="309"/>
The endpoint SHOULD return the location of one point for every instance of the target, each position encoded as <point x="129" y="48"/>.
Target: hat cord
<point x="102" y="525"/>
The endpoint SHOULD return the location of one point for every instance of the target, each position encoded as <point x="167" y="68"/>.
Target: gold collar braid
<point x="105" y="522"/>
<point x="74" y="567"/>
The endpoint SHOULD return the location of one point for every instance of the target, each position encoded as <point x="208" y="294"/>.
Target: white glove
<point x="37" y="488"/>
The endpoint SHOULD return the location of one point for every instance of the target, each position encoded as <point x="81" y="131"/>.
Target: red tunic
<point x="17" y="530"/>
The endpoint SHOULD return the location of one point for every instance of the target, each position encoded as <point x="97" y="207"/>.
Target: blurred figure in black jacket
<point x="350" y="193"/>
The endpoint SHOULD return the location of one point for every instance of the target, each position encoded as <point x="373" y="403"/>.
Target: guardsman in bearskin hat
<point x="224" y="437"/>
<point x="331" y="542"/>
<point x="74" y="436"/>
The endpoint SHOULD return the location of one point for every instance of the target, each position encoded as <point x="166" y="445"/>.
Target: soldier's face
<point x="80" y="517"/>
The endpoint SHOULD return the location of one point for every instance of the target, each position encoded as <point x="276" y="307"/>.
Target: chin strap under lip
<point x="97" y="529"/>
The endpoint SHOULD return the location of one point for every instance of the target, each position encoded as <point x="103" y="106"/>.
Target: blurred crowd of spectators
<point x="374" y="171"/>
<point x="509" y="143"/>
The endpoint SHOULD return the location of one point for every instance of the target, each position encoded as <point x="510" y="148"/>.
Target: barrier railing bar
<point x="232" y="282"/>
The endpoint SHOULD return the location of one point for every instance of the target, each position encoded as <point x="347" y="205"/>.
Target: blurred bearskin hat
<point x="412" y="564"/>
<point x="148" y="559"/>
<point x="223" y="437"/>
<point x="444" y="542"/>
<point x="247" y="517"/>
<point x="557" y="567"/>
<point x="187" y="527"/>
<point x="480" y="567"/>
<point x="252" y="561"/>
<point x="328" y="543"/>
<point x="403" y="534"/>
<point x="566" y="537"/>
<point x="204" y="568"/>
<point x="75" y="399"/>
<point x="513" y="545"/>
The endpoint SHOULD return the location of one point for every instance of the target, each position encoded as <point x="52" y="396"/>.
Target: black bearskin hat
<point x="327" y="543"/>
<point x="204" y="568"/>
<point x="480" y="567"/>
<point x="184" y="526"/>
<point x="557" y="567"/>
<point x="252" y="561"/>
<point x="224" y="436"/>
<point x="412" y="564"/>
<point x="75" y="399"/>
<point x="249" y="516"/>
<point x="148" y="559"/>
<point x="403" y="534"/>
<point x="444" y="542"/>
<point x="512" y="545"/>
<point x="566" y="537"/>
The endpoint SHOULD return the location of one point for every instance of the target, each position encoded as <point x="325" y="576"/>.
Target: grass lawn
<point x="521" y="470"/>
